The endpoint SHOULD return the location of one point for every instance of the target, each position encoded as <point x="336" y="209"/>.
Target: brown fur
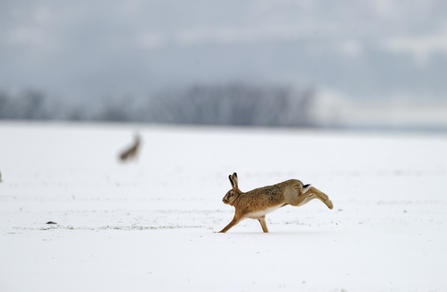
<point x="258" y="202"/>
<point x="132" y="152"/>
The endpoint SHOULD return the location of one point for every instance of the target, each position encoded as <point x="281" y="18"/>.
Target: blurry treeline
<point x="232" y="104"/>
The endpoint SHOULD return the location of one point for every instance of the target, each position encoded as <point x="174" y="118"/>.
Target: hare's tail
<point x="306" y="187"/>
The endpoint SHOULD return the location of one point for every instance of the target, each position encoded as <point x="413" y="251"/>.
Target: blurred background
<point x="378" y="64"/>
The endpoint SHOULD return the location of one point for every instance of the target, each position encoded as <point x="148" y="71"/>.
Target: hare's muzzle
<point x="226" y="200"/>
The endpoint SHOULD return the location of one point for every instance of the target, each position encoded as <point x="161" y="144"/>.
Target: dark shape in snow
<point x="132" y="152"/>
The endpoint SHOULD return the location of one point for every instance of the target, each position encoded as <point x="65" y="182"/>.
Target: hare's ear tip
<point x="235" y="174"/>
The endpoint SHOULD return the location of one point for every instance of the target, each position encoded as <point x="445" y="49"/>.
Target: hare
<point x="132" y="152"/>
<point x="257" y="203"/>
<point x="1" y="177"/>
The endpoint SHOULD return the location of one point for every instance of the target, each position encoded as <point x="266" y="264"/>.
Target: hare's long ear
<point x="236" y="182"/>
<point x="230" y="177"/>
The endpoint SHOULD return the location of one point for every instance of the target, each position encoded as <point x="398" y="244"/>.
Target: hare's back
<point x="270" y="195"/>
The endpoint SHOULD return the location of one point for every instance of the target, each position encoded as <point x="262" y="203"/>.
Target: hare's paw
<point x="329" y="204"/>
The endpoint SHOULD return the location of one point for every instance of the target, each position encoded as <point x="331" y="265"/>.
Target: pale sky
<point x="95" y="49"/>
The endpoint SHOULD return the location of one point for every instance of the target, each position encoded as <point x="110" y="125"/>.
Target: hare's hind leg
<point x="263" y="224"/>
<point x="317" y="194"/>
<point x="309" y="193"/>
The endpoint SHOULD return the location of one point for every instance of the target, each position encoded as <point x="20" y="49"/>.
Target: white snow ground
<point x="150" y="225"/>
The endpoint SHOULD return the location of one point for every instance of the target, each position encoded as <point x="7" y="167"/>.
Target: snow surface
<point x="151" y="225"/>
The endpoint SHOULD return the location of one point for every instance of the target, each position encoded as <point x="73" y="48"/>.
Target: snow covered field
<point x="150" y="225"/>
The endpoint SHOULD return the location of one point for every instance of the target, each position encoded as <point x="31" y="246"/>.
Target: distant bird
<point x="132" y="152"/>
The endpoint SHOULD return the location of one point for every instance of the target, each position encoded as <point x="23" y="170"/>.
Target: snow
<point x="150" y="225"/>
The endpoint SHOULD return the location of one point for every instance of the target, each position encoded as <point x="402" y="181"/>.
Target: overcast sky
<point x="88" y="49"/>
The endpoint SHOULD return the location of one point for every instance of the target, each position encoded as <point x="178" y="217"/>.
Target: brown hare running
<point x="257" y="203"/>
<point x="132" y="152"/>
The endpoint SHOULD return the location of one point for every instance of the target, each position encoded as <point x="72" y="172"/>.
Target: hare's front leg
<point x="263" y="224"/>
<point x="231" y="224"/>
